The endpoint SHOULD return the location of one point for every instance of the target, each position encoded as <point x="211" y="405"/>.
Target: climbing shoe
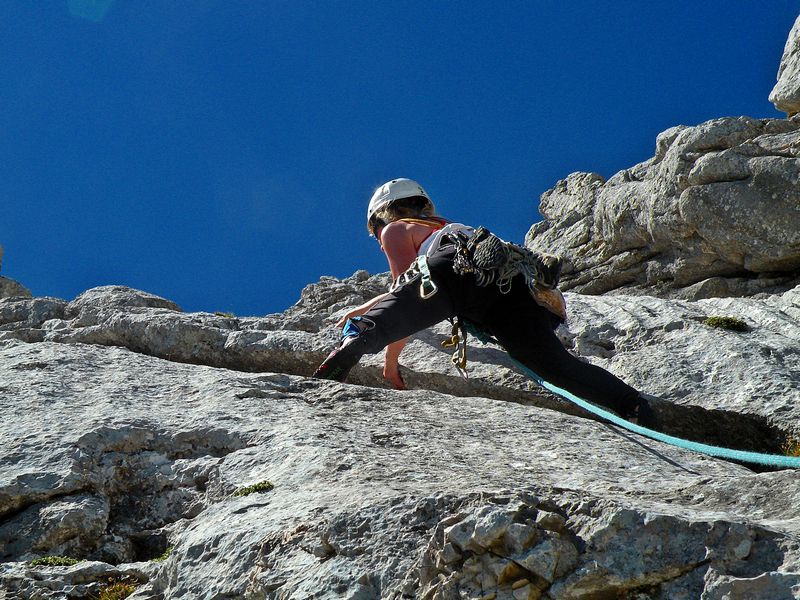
<point x="338" y="363"/>
<point x="347" y="355"/>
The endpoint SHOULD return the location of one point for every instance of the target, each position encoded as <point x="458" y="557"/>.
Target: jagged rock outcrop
<point x="133" y="424"/>
<point x="786" y="93"/>
<point x="10" y="288"/>
<point x="714" y="213"/>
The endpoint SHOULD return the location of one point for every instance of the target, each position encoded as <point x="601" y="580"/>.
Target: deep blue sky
<point x="221" y="153"/>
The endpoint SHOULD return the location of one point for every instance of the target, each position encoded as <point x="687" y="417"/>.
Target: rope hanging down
<point x="771" y="460"/>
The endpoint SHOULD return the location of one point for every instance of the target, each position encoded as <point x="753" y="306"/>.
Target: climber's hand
<point x="349" y="315"/>
<point x="392" y="375"/>
<point x="360" y="310"/>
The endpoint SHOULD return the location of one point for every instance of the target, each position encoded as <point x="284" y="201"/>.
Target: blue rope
<point x="772" y="460"/>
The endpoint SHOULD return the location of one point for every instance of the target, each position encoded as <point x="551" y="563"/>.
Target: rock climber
<point x="443" y="270"/>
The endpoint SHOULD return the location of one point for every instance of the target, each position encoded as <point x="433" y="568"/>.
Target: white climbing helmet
<point x="395" y="190"/>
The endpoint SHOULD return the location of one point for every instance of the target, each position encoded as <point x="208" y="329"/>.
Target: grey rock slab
<point x="92" y="302"/>
<point x="162" y="443"/>
<point x="19" y="312"/>
<point x="663" y="347"/>
<point x="363" y="477"/>
<point x="658" y="345"/>
<point x="56" y="527"/>
<point x="13" y="289"/>
<point x="717" y="200"/>
<point x="293" y="342"/>
<point x="786" y="93"/>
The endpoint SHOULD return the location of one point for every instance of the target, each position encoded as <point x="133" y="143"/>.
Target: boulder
<point x="96" y="301"/>
<point x="786" y="93"/>
<point x="713" y="213"/>
<point x="13" y="289"/>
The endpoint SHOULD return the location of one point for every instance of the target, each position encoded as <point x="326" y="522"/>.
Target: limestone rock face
<point x="377" y="494"/>
<point x="10" y="288"/>
<point x="786" y="93"/>
<point x="188" y="455"/>
<point x="713" y="213"/>
<point x="657" y="345"/>
<point x="107" y="299"/>
<point x="129" y="426"/>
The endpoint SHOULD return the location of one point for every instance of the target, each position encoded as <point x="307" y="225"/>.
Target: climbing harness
<point x="771" y="460"/>
<point x="492" y="260"/>
<point x="418" y="270"/>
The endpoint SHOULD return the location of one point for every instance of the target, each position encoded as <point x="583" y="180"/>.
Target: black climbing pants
<point x="523" y="328"/>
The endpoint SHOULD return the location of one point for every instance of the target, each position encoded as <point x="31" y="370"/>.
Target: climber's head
<point x="397" y="199"/>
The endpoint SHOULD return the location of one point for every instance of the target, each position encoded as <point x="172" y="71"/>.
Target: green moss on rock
<point x="261" y="486"/>
<point x="54" y="561"/>
<point x="118" y="590"/>
<point x="164" y="556"/>
<point x="729" y="323"/>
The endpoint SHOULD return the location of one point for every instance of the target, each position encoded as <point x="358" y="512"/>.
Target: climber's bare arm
<point x="397" y="241"/>
<point x="361" y="309"/>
